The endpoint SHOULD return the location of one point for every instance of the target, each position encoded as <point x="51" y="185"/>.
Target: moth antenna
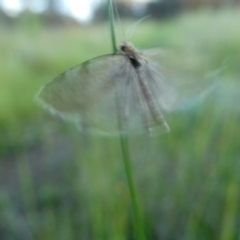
<point x="119" y="21"/>
<point x="131" y="29"/>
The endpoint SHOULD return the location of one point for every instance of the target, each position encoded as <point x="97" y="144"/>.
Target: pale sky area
<point x="82" y="10"/>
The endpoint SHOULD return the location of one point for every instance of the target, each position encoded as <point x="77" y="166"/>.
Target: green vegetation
<point x="58" y="184"/>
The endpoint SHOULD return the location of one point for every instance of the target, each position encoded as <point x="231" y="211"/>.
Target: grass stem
<point x="125" y="145"/>
<point x="129" y="173"/>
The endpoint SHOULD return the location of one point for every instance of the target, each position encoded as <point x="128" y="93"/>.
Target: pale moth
<point x="111" y="94"/>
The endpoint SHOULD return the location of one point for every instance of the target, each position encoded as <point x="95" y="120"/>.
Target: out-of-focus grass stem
<point x="125" y="145"/>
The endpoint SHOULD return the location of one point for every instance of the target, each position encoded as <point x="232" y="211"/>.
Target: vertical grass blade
<point x="124" y="143"/>
<point x="129" y="172"/>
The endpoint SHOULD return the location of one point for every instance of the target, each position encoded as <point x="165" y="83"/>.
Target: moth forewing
<point x="86" y="92"/>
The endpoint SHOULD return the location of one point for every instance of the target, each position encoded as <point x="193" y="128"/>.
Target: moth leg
<point x="151" y="103"/>
<point x="143" y="108"/>
<point x="145" y="117"/>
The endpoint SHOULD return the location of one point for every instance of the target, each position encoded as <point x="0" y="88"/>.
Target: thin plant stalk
<point x="125" y="145"/>
<point x="128" y="169"/>
<point x="112" y="28"/>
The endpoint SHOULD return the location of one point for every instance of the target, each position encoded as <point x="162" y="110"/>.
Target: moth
<point x="111" y="94"/>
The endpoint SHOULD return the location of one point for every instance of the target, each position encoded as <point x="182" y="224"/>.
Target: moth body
<point x="138" y="60"/>
<point x="87" y="94"/>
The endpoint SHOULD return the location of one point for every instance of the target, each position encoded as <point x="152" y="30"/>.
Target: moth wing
<point x="185" y="85"/>
<point x="87" y="93"/>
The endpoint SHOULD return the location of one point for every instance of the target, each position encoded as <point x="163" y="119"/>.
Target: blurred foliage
<point x="58" y="184"/>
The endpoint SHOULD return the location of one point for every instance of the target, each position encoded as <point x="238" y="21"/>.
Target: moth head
<point x="127" y="47"/>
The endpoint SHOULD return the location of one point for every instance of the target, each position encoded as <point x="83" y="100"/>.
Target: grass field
<point x="58" y="184"/>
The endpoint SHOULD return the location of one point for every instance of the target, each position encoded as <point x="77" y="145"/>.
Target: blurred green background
<point x="56" y="183"/>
